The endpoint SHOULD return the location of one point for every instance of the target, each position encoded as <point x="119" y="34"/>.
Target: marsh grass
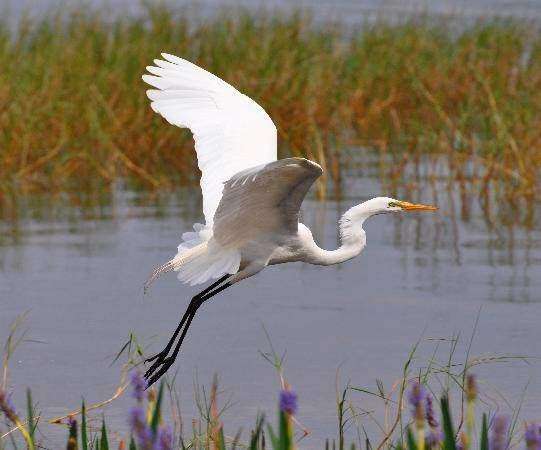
<point x="74" y="117"/>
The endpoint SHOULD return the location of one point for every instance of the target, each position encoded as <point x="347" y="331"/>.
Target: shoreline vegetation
<point x="434" y="404"/>
<point x="75" y="120"/>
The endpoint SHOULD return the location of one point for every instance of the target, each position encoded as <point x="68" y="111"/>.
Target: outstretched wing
<point x="263" y="201"/>
<point x="231" y="131"/>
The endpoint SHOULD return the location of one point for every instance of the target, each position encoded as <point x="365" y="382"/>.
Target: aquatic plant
<point x="152" y="434"/>
<point x="532" y="436"/>
<point x="8" y="410"/>
<point x="75" y="120"/>
<point x="151" y="429"/>
<point x="288" y="401"/>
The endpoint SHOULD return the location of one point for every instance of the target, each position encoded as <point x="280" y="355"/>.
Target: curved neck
<point x="352" y="237"/>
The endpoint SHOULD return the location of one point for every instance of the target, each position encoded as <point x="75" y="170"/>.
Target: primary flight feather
<point x="251" y="201"/>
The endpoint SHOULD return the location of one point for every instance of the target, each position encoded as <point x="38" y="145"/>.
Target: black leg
<point x="162" y="361"/>
<point x="165" y="351"/>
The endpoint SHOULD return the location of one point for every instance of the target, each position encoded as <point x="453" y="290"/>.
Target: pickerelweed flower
<point x="288" y="402"/>
<point x="532" y="436"/>
<point x="434" y="438"/>
<point x="430" y="415"/>
<point x="71" y="422"/>
<point x="416" y="398"/>
<point x="139" y="385"/>
<point x="498" y="433"/>
<point x="141" y="430"/>
<point x="165" y="439"/>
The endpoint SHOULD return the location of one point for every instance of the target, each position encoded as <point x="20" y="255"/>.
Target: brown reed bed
<point x="74" y="117"/>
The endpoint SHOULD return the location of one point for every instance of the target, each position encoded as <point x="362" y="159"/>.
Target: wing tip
<point x="171" y="58"/>
<point x="148" y="79"/>
<point x="309" y="164"/>
<point x="151" y="93"/>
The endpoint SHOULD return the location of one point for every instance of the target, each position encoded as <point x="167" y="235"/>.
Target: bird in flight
<point x="251" y="200"/>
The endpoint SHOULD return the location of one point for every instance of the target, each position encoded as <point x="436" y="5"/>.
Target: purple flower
<point x="141" y="430"/>
<point x="430" y="416"/>
<point x="416" y="398"/>
<point x="71" y="422"/>
<point x="434" y="438"/>
<point x="498" y="434"/>
<point x="532" y="436"/>
<point x="165" y="439"/>
<point x="139" y="385"/>
<point x="136" y="417"/>
<point x="417" y="394"/>
<point x="288" y="402"/>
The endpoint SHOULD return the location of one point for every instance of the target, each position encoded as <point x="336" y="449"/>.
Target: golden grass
<point x="74" y="116"/>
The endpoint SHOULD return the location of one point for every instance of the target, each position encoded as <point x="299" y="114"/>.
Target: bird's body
<point x="251" y="200"/>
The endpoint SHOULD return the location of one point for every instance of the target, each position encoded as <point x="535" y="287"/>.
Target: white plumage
<point x="231" y="133"/>
<point x="251" y="201"/>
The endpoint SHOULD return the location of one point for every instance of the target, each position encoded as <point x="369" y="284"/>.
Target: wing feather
<point x="263" y="202"/>
<point x="231" y="131"/>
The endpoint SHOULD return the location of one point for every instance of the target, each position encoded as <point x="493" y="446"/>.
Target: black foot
<point x="156" y="356"/>
<point x="158" y="368"/>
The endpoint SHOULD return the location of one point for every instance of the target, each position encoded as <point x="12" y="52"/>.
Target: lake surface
<point x="423" y="276"/>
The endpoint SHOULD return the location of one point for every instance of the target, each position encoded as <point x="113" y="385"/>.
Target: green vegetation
<point x="74" y="117"/>
<point x="417" y="410"/>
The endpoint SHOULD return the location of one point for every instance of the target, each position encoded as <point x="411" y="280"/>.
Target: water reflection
<point x="498" y="260"/>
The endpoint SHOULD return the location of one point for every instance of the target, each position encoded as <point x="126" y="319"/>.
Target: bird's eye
<point x="393" y="205"/>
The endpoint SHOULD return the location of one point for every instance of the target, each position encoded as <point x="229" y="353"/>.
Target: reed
<point x="74" y="117"/>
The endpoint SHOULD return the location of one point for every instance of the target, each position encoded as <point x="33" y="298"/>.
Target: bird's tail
<point x="176" y="263"/>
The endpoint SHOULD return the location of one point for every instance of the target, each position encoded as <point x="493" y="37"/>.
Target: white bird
<point x="251" y="200"/>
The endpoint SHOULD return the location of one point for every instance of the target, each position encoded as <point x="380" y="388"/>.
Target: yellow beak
<point x="407" y="206"/>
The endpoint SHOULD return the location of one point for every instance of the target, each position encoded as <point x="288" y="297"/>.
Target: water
<point x="423" y="276"/>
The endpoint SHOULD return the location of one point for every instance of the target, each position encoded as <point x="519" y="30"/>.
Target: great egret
<point x="251" y="201"/>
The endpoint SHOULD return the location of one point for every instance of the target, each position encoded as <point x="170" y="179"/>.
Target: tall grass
<point x="74" y="116"/>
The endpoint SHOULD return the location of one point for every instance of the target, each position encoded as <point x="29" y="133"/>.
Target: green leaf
<point x="274" y="439"/>
<point x="156" y="413"/>
<point x="84" y="435"/>
<point x="30" y="415"/>
<point x="284" y="435"/>
<point x="127" y="345"/>
<point x="448" y="429"/>
<point x="221" y="439"/>
<point x="104" y="443"/>
<point x="256" y="433"/>
<point x="412" y="445"/>
<point x="132" y="444"/>
<point x="484" y="434"/>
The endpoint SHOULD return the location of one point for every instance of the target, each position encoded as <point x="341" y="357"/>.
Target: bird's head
<point x="392" y="205"/>
<point x="381" y="205"/>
